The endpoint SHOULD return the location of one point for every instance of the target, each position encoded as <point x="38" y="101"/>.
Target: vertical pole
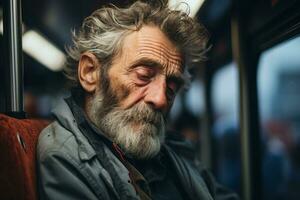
<point x="12" y="32"/>
<point x="206" y="137"/>
<point x="247" y="61"/>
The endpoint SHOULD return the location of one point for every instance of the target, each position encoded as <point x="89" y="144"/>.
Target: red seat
<point x="18" y="140"/>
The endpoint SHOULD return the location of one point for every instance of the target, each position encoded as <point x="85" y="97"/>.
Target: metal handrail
<point x="12" y="33"/>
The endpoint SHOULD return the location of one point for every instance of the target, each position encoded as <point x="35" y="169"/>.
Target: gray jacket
<point x="68" y="167"/>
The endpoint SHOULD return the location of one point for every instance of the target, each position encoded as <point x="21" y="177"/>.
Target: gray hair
<point x="103" y="32"/>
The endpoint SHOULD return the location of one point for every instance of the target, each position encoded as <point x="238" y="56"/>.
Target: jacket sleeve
<point x="218" y="191"/>
<point x="197" y="180"/>
<point x="60" y="177"/>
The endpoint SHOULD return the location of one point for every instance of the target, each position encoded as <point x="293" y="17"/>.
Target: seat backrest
<point x="18" y="139"/>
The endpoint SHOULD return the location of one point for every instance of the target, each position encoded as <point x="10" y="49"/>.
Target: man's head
<point x="129" y="64"/>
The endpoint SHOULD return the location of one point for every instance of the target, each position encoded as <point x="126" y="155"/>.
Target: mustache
<point x="143" y="113"/>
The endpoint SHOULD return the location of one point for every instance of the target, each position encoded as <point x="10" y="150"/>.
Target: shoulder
<point x="183" y="155"/>
<point x="56" y="138"/>
<point x="196" y="179"/>
<point x="181" y="147"/>
<point x="63" y="159"/>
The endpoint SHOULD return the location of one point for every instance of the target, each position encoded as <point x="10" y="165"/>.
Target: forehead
<point x="151" y="43"/>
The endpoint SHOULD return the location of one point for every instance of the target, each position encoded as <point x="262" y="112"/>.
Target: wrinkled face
<point x="143" y="82"/>
<point x="149" y="70"/>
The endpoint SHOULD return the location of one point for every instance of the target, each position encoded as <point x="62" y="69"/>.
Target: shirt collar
<point x="154" y="169"/>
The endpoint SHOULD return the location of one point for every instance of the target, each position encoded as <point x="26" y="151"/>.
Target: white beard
<point x="139" y="130"/>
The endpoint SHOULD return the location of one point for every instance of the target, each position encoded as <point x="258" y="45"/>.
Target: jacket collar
<point x="64" y="115"/>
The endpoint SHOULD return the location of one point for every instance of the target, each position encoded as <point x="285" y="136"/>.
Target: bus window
<point x="194" y="100"/>
<point x="279" y="102"/>
<point x="186" y="114"/>
<point x="226" y="151"/>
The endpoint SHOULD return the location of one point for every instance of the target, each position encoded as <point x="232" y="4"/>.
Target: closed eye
<point x="144" y="73"/>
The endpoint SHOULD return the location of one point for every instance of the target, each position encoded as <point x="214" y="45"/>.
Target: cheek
<point x="122" y="92"/>
<point x="135" y="95"/>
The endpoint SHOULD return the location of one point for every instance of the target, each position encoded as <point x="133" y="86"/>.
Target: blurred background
<point x="208" y="114"/>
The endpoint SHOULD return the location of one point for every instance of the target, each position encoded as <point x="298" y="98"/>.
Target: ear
<point x="88" y="72"/>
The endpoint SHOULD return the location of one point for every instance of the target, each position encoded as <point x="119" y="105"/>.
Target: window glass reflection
<point x="186" y="113"/>
<point x="226" y="151"/>
<point x="279" y="103"/>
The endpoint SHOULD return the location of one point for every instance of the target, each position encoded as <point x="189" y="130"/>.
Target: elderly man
<point x="108" y="140"/>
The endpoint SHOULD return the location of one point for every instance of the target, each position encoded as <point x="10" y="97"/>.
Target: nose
<point x="156" y="95"/>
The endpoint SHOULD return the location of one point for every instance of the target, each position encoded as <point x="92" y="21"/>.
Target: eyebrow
<point x="147" y="62"/>
<point x="150" y="63"/>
